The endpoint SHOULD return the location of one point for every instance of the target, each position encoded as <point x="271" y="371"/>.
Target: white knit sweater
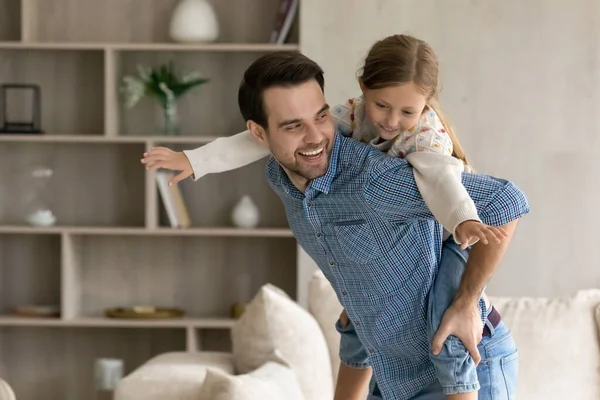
<point x="426" y="146"/>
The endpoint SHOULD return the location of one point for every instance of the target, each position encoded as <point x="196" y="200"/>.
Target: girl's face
<point x="393" y="109"/>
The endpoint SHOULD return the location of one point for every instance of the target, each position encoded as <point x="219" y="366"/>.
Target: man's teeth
<point x="311" y="153"/>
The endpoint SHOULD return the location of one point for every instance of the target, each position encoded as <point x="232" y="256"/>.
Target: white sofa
<point x="558" y="342"/>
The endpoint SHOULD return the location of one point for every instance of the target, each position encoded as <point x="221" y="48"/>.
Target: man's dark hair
<point x="282" y="68"/>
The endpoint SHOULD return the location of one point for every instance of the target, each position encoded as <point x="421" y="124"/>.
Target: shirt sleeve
<point x="391" y="190"/>
<point x="225" y="154"/>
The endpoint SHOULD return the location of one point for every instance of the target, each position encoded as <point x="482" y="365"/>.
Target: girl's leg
<point x="454" y="366"/>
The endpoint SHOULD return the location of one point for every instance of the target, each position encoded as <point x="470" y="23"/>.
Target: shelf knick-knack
<point x="194" y="21"/>
<point x="39" y="212"/>
<point x="166" y="86"/>
<point x="245" y="214"/>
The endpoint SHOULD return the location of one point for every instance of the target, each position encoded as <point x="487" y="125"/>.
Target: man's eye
<point x="322" y="116"/>
<point x="292" y="127"/>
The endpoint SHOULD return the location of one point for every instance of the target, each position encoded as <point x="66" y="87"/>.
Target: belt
<point x="494" y="319"/>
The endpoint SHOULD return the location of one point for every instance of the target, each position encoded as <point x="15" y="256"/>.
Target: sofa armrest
<point x="173" y="376"/>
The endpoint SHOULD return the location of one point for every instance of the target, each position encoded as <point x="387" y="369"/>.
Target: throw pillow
<point x="273" y="323"/>
<point x="273" y="380"/>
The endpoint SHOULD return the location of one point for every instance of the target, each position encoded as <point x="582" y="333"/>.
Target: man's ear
<point x="259" y="133"/>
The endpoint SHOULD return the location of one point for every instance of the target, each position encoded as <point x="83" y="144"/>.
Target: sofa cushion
<point x="559" y="350"/>
<point x="173" y="376"/>
<point x="324" y="305"/>
<point x="273" y="380"/>
<point x="273" y="323"/>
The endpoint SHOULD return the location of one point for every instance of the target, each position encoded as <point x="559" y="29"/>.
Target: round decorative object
<point x="245" y="213"/>
<point x="194" y="21"/>
<point x="143" y="312"/>
<point x="38" y="311"/>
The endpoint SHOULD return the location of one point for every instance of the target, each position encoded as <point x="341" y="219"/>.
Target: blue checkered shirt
<point x="368" y="229"/>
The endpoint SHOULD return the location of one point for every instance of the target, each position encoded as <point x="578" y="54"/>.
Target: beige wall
<point x="521" y="83"/>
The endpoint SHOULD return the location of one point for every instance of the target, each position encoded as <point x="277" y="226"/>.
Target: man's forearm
<point x="352" y="383"/>
<point x="483" y="261"/>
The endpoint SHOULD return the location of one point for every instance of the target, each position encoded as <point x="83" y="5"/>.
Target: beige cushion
<point x="324" y="305"/>
<point x="558" y="345"/>
<point x="173" y="376"/>
<point x="6" y="392"/>
<point x="273" y="380"/>
<point x="273" y="322"/>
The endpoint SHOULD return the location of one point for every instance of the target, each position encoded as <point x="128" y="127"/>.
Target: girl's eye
<point x="379" y="105"/>
<point x="408" y="113"/>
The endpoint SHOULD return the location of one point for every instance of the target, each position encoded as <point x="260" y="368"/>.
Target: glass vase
<point x="170" y="119"/>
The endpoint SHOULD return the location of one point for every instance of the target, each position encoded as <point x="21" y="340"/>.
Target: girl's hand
<point x="162" y="157"/>
<point x="469" y="232"/>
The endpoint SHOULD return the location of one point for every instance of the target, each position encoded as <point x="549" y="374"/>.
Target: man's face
<point x="300" y="130"/>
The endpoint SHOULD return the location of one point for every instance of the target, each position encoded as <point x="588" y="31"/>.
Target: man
<point x="359" y="215"/>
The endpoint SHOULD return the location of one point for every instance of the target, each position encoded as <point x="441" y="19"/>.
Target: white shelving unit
<point x="112" y="245"/>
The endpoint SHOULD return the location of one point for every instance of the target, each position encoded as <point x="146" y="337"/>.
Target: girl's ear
<point x="259" y="133"/>
<point x="362" y="86"/>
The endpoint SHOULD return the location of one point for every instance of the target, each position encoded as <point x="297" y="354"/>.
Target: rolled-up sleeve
<point x="352" y="352"/>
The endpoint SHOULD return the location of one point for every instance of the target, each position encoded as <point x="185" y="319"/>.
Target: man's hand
<point x="162" y="157"/>
<point x="468" y="232"/>
<point x="463" y="321"/>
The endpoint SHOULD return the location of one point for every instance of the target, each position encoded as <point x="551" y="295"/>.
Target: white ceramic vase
<point x="194" y="21"/>
<point x="245" y="213"/>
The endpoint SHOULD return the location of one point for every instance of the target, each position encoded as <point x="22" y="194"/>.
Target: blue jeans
<point x="454" y="365"/>
<point x="497" y="372"/>
<point x="496" y="375"/>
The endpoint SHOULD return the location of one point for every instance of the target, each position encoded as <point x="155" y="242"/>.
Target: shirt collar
<point x="323" y="183"/>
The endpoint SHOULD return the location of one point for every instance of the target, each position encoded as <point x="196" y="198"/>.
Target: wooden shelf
<point x="133" y="231"/>
<point x="96" y="138"/>
<point x="113" y="244"/>
<point x="210" y="47"/>
<point x="82" y="322"/>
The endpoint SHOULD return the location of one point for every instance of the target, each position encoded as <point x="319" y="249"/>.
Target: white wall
<point x="521" y="84"/>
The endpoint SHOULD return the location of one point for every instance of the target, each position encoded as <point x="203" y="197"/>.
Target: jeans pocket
<point x="510" y="372"/>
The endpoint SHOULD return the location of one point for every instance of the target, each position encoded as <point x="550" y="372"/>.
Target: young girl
<point x="397" y="113"/>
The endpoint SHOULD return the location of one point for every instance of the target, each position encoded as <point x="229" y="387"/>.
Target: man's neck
<point x="300" y="182"/>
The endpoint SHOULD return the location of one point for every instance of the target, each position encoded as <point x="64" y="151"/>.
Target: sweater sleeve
<point x="438" y="175"/>
<point x="225" y="154"/>
<point x="439" y="179"/>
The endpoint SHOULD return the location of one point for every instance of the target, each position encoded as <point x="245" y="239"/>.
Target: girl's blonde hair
<point x="400" y="59"/>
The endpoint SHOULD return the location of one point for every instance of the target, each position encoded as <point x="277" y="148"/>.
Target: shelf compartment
<point x="192" y="273"/>
<point x="71" y="83"/>
<point x="29" y="271"/>
<point x="210" y="109"/>
<point x="143" y="21"/>
<point x="98" y="184"/>
<point x="10" y="20"/>
<point x="61" y="361"/>
<point x="211" y="199"/>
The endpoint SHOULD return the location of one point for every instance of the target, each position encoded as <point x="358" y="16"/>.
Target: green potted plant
<point x="165" y="85"/>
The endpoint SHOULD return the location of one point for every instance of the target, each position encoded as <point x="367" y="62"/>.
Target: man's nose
<point x="313" y="134"/>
